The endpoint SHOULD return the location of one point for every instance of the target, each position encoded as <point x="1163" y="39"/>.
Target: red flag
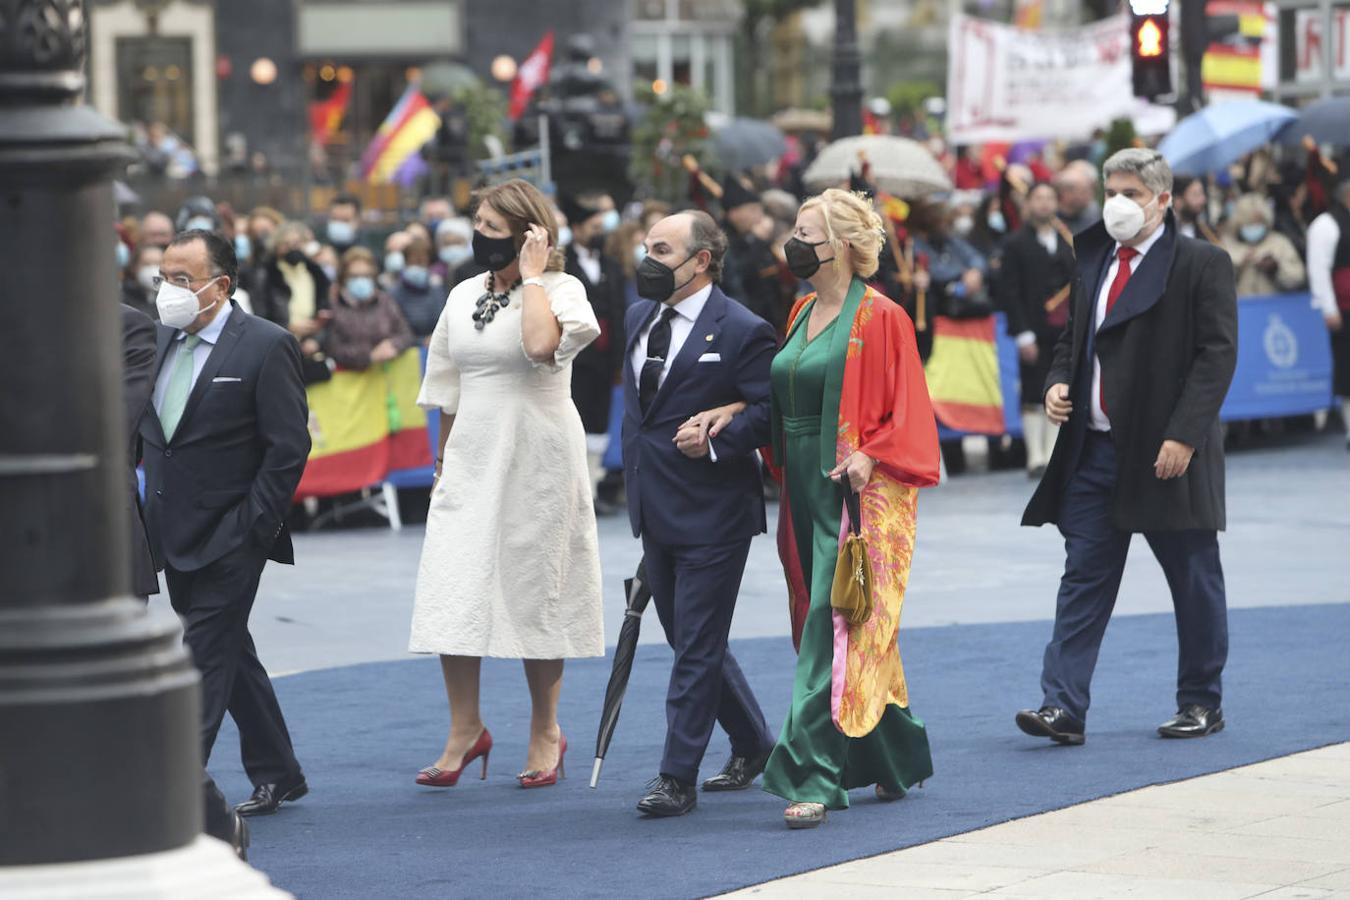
<point x="325" y="116"/>
<point x="532" y="75"/>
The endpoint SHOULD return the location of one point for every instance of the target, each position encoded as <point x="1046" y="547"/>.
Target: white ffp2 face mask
<point x="177" y="306"/>
<point x="1124" y="218"/>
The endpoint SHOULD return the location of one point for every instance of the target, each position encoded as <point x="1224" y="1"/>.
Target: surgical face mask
<point x="1124" y="218"/>
<point x="656" y="280"/>
<point x="417" y="276"/>
<point x="1253" y="233"/>
<point x="996" y="221"/>
<point x="361" y="288"/>
<point x="312" y="249"/>
<point x="610" y="220"/>
<point x="801" y="257"/>
<point x="342" y="233"/>
<point x="393" y="261"/>
<point x="564" y="236"/>
<point x="200" y="223"/>
<point x="243" y="247"/>
<point x="639" y="254"/>
<point x="329" y="272"/>
<point x="177" y="306"/>
<point x="493" y="254"/>
<point x="145" y="276"/>
<point x="123" y="255"/>
<point x="455" y="255"/>
<point x="963" y="225"/>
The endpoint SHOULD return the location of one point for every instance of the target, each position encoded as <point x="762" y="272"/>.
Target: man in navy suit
<point x="224" y="442"/>
<point x="696" y="504"/>
<point x="1137" y="380"/>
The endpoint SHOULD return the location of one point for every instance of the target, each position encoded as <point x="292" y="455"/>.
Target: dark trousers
<point x="694" y="589"/>
<point x="1096" y="552"/>
<point x="215" y="602"/>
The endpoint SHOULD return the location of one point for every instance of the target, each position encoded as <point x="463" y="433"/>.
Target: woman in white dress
<point x="511" y="563"/>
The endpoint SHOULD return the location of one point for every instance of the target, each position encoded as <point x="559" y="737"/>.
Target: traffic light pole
<point x="846" y="72"/>
<point x="100" y="769"/>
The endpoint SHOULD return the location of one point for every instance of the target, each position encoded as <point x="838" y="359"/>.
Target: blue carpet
<point x="363" y="731"/>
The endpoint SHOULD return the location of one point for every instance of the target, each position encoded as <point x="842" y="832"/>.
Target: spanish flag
<point x="364" y="424"/>
<point x="963" y="375"/>
<point x="410" y="124"/>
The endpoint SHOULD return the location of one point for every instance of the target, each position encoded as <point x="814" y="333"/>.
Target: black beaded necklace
<point x="488" y="305"/>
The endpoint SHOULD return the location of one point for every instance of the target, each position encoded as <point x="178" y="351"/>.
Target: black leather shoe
<point x="1051" y="722"/>
<point x="239" y="840"/>
<point x="668" y="797"/>
<point x="1192" y="721"/>
<point x="267" y="797"/>
<point x="738" y="774"/>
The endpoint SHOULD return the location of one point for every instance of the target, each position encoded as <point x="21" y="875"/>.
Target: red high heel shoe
<point x="549" y="776"/>
<point x="434" y="777"/>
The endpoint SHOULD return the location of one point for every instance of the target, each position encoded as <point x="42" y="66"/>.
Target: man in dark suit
<point x="697" y="505"/>
<point x="138" y="383"/>
<point x="1137" y="381"/>
<point x="224" y="447"/>
<point x="1033" y="290"/>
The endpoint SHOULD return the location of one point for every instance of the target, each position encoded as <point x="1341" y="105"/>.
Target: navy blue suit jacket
<point x="675" y="500"/>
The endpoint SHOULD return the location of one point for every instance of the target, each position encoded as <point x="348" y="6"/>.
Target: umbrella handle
<point x="595" y="771"/>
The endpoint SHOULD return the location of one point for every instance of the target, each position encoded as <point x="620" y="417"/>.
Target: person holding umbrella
<point x="696" y="502"/>
<point x="850" y="414"/>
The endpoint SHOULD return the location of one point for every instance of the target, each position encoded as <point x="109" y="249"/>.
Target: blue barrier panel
<point x="422" y="476"/>
<point x="1284" y="359"/>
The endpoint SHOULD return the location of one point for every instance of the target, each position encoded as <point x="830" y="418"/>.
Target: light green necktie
<point x="180" y="386"/>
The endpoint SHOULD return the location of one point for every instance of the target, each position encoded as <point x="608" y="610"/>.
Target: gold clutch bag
<point x="851" y="593"/>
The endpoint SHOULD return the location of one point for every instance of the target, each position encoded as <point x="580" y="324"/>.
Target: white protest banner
<point x="1012" y="84"/>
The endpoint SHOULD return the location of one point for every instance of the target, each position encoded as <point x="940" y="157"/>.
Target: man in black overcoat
<point x="1136" y="382"/>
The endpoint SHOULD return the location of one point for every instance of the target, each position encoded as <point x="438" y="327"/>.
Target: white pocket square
<point x="710" y="357"/>
<point x="225" y="379"/>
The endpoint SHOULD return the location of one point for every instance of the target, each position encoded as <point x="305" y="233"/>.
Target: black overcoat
<point x="1027" y="279"/>
<point x="1168" y="350"/>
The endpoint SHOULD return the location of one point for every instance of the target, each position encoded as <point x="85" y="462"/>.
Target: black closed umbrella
<point x="639" y="595"/>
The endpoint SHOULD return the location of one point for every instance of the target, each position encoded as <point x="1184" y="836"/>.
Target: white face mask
<point x="178" y="306"/>
<point x="1124" y="218"/>
<point x="146" y="276"/>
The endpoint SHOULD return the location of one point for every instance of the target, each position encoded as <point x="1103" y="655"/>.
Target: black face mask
<point x="294" y="257"/>
<point x="801" y="257"/>
<point x="597" y="243"/>
<point x="493" y="253"/>
<point x="656" y="280"/>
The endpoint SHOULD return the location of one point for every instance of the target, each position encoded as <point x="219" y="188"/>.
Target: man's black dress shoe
<point x="668" y="797"/>
<point x="1192" y="721"/>
<point x="267" y="797"/>
<point x="1051" y="722"/>
<point x="738" y="774"/>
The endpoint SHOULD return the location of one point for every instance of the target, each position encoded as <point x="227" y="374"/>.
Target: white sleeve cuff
<point x="1026" y="339"/>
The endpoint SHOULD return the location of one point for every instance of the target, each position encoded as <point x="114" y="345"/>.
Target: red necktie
<point x="1124" y="255"/>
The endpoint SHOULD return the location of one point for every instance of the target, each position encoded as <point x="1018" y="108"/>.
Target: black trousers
<point x="214" y="603"/>
<point x="1096" y="552"/>
<point x="694" y="589"/>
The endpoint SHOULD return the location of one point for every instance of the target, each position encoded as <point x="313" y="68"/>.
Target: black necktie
<point x="658" y="347"/>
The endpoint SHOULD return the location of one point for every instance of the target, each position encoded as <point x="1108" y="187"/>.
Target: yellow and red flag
<point x="363" y="425"/>
<point x="325" y="116"/>
<point x="963" y="375"/>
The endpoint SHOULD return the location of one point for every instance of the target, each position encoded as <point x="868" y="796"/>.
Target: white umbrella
<point x="899" y="166"/>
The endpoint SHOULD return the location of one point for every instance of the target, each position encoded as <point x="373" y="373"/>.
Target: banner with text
<point x="1011" y="84"/>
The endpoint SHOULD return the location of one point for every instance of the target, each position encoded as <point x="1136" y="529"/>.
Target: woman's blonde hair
<point x="850" y="218"/>
<point x="522" y="204"/>
<point x="351" y="257"/>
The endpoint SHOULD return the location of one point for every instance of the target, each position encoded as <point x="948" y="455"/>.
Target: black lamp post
<point x="846" y="72"/>
<point x="99" y="754"/>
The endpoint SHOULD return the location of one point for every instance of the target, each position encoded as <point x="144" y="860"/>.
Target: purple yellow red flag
<point x="410" y="124"/>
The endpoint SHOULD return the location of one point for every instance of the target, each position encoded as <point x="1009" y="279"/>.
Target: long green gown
<point x="814" y="762"/>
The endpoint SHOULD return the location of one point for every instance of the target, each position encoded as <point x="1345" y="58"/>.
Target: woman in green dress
<point x="849" y="401"/>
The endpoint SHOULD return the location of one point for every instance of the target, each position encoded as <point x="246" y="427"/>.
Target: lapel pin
<point x="708" y="338"/>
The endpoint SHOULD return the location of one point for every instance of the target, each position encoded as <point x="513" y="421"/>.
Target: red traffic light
<point x="1149" y="39"/>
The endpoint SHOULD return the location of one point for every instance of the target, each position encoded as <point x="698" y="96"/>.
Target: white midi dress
<point x="511" y="561"/>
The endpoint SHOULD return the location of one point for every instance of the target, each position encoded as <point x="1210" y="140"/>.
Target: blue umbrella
<point x="1214" y="137"/>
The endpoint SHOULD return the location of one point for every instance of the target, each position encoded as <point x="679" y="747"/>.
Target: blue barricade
<point x="1284" y="359"/>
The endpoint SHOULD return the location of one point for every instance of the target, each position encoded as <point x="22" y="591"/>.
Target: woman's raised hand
<point x="534" y="252"/>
